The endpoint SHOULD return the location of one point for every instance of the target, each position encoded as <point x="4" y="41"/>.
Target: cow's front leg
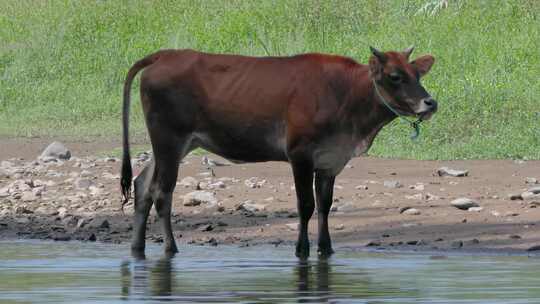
<point x="324" y="188"/>
<point x="303" y="180"/>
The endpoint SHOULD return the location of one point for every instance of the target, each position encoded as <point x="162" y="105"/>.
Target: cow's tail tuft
<point x="126" y="172"/>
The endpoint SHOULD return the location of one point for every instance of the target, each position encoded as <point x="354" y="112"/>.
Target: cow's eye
<point x="395" y="77"/>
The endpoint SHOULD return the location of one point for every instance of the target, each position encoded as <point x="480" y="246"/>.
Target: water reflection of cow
<point x="144" y="280"/>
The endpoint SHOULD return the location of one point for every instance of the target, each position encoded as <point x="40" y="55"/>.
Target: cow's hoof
<point x="302" y="252"/>
<point x="170" y="251"/>
<point x="138" y="253"/>
<point x="325" y="252"/>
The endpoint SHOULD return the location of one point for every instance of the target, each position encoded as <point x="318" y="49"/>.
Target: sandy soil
<point x="368" y="212"/>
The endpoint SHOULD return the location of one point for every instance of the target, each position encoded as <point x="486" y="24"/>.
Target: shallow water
<point x="48" y="272"/>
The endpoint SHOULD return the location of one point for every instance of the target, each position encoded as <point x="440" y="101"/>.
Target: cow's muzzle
<point x="428" y="107"/>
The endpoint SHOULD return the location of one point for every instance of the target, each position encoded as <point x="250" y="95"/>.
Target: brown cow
<point x="314" y="111"/>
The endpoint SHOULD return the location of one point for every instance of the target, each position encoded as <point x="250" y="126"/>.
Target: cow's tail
<point x="127" y="174"/>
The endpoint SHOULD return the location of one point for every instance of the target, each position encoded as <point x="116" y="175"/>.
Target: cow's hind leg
<point x="167" y="156"/>
<point x="303" y="180"/>
<point x="143" y="203"/>
<point x="324" y="188"/>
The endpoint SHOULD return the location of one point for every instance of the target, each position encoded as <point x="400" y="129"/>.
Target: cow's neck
<point x="369" y="116"/>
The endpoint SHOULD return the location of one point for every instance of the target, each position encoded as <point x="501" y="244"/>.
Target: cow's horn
<point x="407" y="52"/>
<point x="380" y="55"/>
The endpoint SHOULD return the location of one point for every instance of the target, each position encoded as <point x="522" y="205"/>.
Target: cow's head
<point x="398" y="81"/>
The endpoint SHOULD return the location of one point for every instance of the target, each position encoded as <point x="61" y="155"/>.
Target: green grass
<point x="62" y="63"/>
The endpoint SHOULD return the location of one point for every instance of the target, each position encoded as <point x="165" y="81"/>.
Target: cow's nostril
<point x="429" y="102"/>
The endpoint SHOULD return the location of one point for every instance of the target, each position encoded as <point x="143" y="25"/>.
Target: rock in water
<point x="445" y="171"/>
<point x="464" y="203"/>
<point x="104" y="225"/>
<point x="534" y="248"/>
<point x="56" y="150"/>
<point x="456" y="244"/>
<point x="81" y="223"/>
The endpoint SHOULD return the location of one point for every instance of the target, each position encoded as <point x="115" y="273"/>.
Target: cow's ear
<point x="423" y="64"/>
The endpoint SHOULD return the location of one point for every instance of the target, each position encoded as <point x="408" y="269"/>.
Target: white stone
<point x="217" y="185"/>
<point x="6" y="164"/>
<point x="431" y="197"/>
<point x="392" y="184"/>
<point x="38" y="191"/>
<point x="196" y="198"/>
<point x="464" y="203"/>
<point x="339" y="227"/>
<point x="445" y="171"/>
<point x="417" y="196"/>
<point x="189" y="182"/>
<point x="4" y="192"/>
<point x="46" y="210"/>
<point x="476" y="209"/>
<point x="535" y="190"/>
<point x="529" y="195"/>
<point x="62" y="212"/>
<point x="417" y="187"/>
<point x="251" y="206"/>
<point x="55" y="150"/>
<point x="85" y="173"/>
<point x="109" y="175"/>
<point x="343" y="207"/>
<point x="531" y="180"/>
<point x="292" y="226"/>
<point x="28" y="196"/>
<point x="82" y="222"/>
<point x="495" y="213"/>
<point x="254" y="182"/>
<point x="411" y="211"/>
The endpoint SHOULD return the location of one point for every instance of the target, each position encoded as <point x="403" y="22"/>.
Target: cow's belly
<point x="244" y="144"/>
